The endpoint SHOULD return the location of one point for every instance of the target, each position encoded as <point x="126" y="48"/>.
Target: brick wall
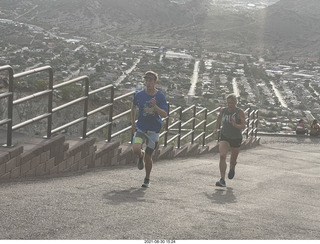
<point x="54" y="156"/>
<point x="51" y="157"/>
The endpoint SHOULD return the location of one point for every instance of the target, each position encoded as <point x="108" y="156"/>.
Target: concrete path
<point x="274" y="195"/>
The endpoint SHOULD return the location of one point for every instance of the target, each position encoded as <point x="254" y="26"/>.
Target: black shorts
<point x="301" y="132"/>
<point x="233" y="142"/>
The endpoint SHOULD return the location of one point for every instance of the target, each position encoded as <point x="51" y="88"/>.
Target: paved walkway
<point x="274" y="195"/>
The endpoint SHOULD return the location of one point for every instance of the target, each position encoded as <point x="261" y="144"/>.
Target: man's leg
<point x="136" y="148"/>
<point x="138" y="141"/>
<point x="152" y="143"/>
<point x="148" y="166"/>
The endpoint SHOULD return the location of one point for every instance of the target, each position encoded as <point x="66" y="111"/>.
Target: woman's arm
<point x="242" y="118"/>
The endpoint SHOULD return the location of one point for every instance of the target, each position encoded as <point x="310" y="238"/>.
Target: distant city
<point x="234" y="4"/>
<point x="283" y="90"/>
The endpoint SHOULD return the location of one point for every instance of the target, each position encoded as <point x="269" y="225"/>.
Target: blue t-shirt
<point x="148" y="119"/>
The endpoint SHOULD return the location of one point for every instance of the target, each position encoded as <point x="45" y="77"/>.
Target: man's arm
<point x="157" y="109"/>
<point x="133" y="117"/>
<point x="160" y="111"/>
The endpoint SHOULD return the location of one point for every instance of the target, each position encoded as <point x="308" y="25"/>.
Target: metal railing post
<point x="204" y="127"/>
<point x="111" y="114"/>
<point x="50" y="102"/>
<point x="9" y="96"/>
<point x="10" y="108"/>
<point x="248" y="123"/>
<point x="166" y="127"/>
<point x="256" y="123"/>
<point x="253" y="122"/>
<point x="85" y="110"/>
<point x="193" y="123"/>
<point x="179" y="128"/>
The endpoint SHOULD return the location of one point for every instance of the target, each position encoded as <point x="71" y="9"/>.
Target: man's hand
<point x="133" y="128"/>
<point x="153" y="101"/>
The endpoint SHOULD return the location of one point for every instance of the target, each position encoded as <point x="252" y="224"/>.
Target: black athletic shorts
<point x="232" y="142"/>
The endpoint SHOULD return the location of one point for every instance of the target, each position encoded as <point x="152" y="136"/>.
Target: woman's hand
<point x="233" y="121"/>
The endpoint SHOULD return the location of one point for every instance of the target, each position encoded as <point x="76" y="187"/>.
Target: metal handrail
<point x="174" y="131"/>
<point x="84" y="98"/>
<point x="9" y="96"/>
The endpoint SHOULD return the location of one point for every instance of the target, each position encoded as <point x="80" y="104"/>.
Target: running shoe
<point x="141" y="161"/>
<point x="146" y="183"/>
<point x="221" y="182"/>
<point x="231" y="174"/>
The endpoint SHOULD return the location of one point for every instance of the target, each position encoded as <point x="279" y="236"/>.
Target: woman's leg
<point x="223" y="150"/>
<point x="234" y="155"/>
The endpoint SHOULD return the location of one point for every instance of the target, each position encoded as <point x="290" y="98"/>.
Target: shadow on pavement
<point x="222" y="196"/>
<point x="130" y="195"/>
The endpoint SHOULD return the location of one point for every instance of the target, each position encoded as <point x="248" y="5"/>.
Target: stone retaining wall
<point x="55" y="156"/>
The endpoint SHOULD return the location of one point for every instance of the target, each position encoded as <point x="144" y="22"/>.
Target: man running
<point x="152" y="106"/>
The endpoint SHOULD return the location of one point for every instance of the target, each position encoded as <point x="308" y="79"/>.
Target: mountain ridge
<point x="293" y="27"/>
<point x="286" y="28"/>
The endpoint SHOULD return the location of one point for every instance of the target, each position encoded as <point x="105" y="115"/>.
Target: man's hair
<point x="151" y="74"/>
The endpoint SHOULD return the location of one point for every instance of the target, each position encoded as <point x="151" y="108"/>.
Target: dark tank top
<point x="228" y="130"/>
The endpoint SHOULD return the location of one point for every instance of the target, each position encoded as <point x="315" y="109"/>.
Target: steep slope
<point x="292" y="27"/>
<point x="287" y="28"/>
<point x="104" y="19"/>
